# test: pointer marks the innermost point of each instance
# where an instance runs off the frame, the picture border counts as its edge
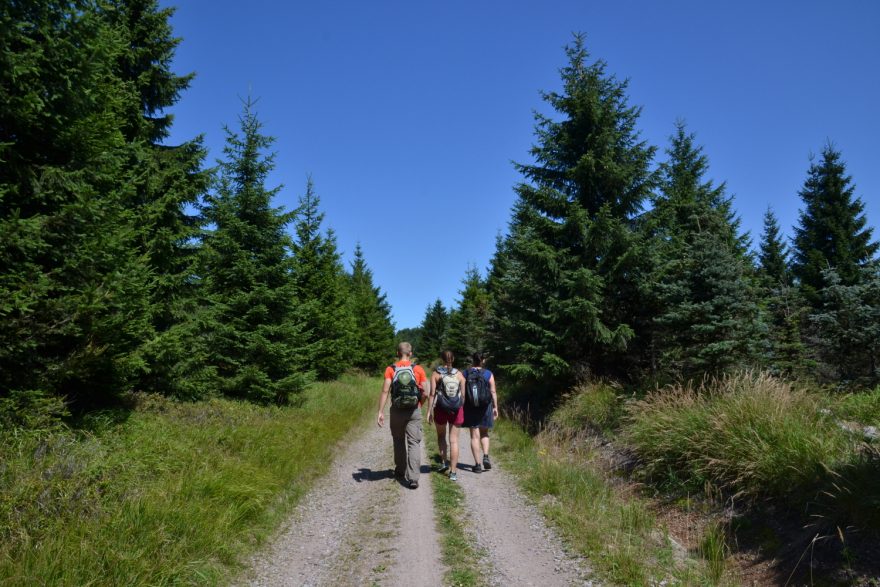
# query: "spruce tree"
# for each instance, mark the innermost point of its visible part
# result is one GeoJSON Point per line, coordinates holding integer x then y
{"type": "Point", "coordinates": [166, 184]}
{"type": "Point", "coordinates": [701, 288]}
{"type": "Point", "coordinates": [848, 326]}
{"type": "Point", "coordinates": [773, 252]}
{"type": "Point", "coordinates": [255, 336]}
{"type": "Point", "coordinates": [562, 286]}
{"type": "Point", "coordinates": [469, 322]}
{"type": "Point", "coordinates": [373, 337]}
{"type": "Point", "coordinates": [73, 291]}
{"type": "Point", "coordinates": [434, 329]}
{"type": "Point", "coordinates": [322, 288]}
{"type": "Point", "coordinates": [831, 231]}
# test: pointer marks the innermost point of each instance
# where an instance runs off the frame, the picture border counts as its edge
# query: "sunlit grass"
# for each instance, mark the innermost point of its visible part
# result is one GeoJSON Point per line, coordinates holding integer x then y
{"type": "Point", "coordinates": [177, 493]}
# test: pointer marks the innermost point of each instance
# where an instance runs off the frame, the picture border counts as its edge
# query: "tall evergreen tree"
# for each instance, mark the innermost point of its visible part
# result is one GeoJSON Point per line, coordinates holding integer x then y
{"type": "Point", "coordinates": [831, 231]}
{"type": "Point", "coordinates": [469, 323]}
{"type": "Point", "coordinates": [434, 329]}
{"type": "Point", "coordinates": [255, 337]}
{"type": "Point", "coordinates": [373, 330]}
{"type": "Point", "coordinates": [707, 317]}
{"type": "Point", "coordinates": [166, 183]}
{"type": "Point", "coordinates": [562, 287]}
{"type": "Point", "coordinates": [73, 292]}
{"type": "Point", "coordinates": [322, 288]}
{"type": "Point", "coordinates": [773, 253]}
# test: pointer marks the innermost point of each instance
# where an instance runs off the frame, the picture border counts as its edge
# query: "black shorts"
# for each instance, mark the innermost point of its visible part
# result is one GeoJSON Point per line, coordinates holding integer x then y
{"type": "Point", "coordinates": [478, 417]}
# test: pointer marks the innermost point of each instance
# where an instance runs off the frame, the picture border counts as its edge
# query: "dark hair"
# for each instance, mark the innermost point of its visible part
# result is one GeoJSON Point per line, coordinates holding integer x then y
{"type": "Point", "coordinates": [477, 359]}
{"type": "Point", "coordinates": [447, 357]}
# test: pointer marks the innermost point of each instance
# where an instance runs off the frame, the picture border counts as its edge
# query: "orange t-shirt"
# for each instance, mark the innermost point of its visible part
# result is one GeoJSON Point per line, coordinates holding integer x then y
{"type": "Point", "coordinates": [417, 371]}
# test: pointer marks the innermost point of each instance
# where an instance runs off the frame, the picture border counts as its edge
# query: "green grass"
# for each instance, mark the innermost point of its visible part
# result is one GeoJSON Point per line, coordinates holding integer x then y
{"type": "Point", "coordinates": [749, 434]}
{"type": "Point", "coordinates": [590, 405]}
{"type": "Point", "coordinates": [863, 407]}
{"type": "Point", "coordinates": [615, 531]}
{"type": "Point", "coordinates": [461, 559]}
{"type": "Point", "coordinates": [175, 493]}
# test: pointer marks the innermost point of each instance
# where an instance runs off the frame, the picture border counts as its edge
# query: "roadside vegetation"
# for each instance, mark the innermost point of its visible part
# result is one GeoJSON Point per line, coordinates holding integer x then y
{"type": "Point", "coordinates": [166, 492]}
{"type": "Point", "coordinates": [755, 462]}
{"type": "Point", "coordinates": [462, 561]}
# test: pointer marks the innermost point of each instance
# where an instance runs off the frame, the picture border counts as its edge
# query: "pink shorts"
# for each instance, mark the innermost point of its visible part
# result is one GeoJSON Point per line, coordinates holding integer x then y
{"type": "Point", "coordinates": [443, 417]}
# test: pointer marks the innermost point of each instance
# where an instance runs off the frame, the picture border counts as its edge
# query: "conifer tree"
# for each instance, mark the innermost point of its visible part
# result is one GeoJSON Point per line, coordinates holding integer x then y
{"type": "Point", "coordinates": [322, 288]}
{"type": "Point", "coordinates": [831, 231]}
{"type": "Point", "coordinates": [255, 334]}
{"type": "Point", "coordinates": [707, 317]}
{"type": "Point", "coordinates": [166, 183]}
{"type": "Point", "coordinates": [562, 286]}
{"type": "Point", "coordinates": [373, 330]}
{"type": "Point", "coordinates": [73, 292]}
{"type": "Point", "coordinates": [434, 329]}
{"type": "Point", "coordinates": [848, 325]}
{"type": "Point", "coordinates": [773, 253]}
{"type": "Point", "coordinates": [468, 330]}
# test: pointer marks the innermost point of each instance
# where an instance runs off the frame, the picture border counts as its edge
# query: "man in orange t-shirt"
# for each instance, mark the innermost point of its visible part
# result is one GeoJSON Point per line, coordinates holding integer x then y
{"type": "Point", "coordinates": [405, 422]}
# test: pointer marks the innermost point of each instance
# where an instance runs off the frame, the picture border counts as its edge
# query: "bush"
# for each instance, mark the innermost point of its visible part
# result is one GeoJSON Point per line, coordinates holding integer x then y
{"type": "Point", "coordinates": [749, 434]}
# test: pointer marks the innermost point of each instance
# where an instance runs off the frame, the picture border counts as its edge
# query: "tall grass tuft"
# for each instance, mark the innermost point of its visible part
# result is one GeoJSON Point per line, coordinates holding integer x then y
{"type": "Point", "coordinates": [177, 493]}
{"type": "Point", "coordinates": [714, 550]}
{"type": "Point", "coordinates": [748, 433]}
{"type": "Point", "coordinates": [594, 405]}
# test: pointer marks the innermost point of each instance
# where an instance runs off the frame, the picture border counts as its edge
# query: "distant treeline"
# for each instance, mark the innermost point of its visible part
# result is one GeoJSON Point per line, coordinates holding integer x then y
{"type": "Point", "coordinates": [126, 263]}
{"type": "Point", "coordinates": [616, 266]}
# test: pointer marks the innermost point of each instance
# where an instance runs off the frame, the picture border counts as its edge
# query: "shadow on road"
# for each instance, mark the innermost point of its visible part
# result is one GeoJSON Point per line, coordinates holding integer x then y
{"type": "Point", "coordinates": [366, 474]}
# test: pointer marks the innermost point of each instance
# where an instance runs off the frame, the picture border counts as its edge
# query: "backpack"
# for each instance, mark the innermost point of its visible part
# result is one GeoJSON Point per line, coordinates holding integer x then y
{"type": "Point", "coordinates": [404, 391]}
{"type": "Point", "coordinates": [449, 398]}
{"type": "Point", "coordinates": [478, 393]}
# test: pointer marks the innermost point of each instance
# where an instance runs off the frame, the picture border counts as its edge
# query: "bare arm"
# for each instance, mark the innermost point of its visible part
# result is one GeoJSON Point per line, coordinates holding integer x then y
{"type": "Point", "coordinates": [494, 396]}
{"type": "Point", "coordinates": [386, 386]}
{"type": "Point", "coordinates": [431, 384]}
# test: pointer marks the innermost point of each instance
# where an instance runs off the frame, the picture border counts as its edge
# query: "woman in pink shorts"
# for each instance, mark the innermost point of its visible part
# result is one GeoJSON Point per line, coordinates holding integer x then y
{"type": "Point", "coordinates": [446, 410]}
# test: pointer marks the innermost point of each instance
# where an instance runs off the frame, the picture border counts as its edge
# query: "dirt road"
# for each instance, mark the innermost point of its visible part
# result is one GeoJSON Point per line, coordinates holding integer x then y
{"type": "Point", "coordinates": [359, 526]}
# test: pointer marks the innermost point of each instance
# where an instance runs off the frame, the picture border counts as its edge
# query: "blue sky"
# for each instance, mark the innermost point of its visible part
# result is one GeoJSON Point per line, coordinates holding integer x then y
{"type": "Point", "coordinates": [409, 114]}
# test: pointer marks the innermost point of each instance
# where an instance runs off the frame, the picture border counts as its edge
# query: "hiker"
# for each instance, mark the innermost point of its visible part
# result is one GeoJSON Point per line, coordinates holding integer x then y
{"type": "Point", "coordinates": [407, 385]}
{"type": "Point", "coordinates": [480, 410]}
{"type": "Point", "coordinates": [446, 411]}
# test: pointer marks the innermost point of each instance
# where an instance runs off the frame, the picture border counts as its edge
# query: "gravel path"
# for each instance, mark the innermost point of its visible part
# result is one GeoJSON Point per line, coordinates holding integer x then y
{"type": "Point", "coordinates": [521, 548]}
{"type": "Point", "coordinates": [357, 526]}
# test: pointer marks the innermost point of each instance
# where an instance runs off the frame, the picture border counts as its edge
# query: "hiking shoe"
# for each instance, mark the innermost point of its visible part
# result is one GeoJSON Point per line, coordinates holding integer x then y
{"type": "Point", "coordinates": [453, 476]}
{"type": "Point", "coordinates": [413, 484]}
{"type": "Point", "coordinates": [477, 468]}
{"type": "Point", "coordinates": [487, 464]}
{"type": "Point", "coordinates": [444, 466]}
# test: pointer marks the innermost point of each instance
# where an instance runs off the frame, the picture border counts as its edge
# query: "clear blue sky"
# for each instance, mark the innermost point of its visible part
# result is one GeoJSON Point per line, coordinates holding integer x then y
{"type": "Point", "coordinates": [408, 114]}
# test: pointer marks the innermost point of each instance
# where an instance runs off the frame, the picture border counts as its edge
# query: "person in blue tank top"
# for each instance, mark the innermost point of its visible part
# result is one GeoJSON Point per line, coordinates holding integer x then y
{"type": "Point", "coordinates": [480, 419]}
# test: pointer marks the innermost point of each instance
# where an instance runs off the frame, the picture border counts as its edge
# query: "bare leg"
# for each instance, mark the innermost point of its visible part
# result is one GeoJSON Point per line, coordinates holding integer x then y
{"type": "Point", "coordinates": [475, 445]}
{"type": "Point", "coordinates": [484, 440]}
{"type": "Point", "coordinates": [453, 447]}
{"type": "Point", "coordinates": [441, 442]}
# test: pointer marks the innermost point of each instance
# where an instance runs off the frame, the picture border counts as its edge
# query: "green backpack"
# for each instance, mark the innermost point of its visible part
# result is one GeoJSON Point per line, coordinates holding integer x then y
{"type": "Point", "coordinates": [404, 391]}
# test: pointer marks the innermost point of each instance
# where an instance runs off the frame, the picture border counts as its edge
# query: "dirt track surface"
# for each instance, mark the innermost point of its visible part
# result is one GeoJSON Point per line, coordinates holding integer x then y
{"type": "Point", "coordinates": [521, 549]}
{"type": "Point", "coordinates": [359, 526]}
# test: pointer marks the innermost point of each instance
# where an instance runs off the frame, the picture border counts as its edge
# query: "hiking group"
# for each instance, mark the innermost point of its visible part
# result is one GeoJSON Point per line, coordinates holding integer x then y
{"type": "Point", "coordinates": [455, 400]}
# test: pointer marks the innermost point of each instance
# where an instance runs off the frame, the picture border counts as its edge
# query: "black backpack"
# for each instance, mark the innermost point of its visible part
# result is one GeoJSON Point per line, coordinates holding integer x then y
{"type": "Point", "coordinates": [477, 389]}
{"type": "Point", "coordinates": [449, 398]}
{"type": "Point", "coordinates": [404, 391]}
